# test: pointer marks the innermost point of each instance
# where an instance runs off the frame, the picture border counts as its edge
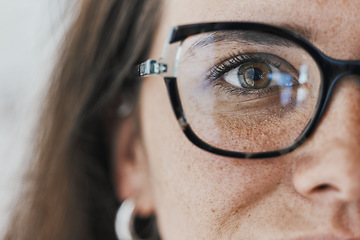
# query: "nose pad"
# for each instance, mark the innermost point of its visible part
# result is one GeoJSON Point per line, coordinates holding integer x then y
{"type": "Point", "coordinates": [329, 166]}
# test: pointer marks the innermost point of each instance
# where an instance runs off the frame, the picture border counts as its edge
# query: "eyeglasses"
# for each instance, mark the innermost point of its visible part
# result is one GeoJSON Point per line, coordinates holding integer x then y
{"type": "Point", "coordinates": [246, 90]}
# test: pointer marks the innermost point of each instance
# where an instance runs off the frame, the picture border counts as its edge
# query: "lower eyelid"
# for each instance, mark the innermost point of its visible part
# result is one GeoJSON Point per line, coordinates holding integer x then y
{"type": "Point", "coordinates": [229, 88]}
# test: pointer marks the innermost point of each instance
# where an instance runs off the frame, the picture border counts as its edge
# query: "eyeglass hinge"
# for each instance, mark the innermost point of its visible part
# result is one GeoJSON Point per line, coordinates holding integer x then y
{"type": "Point", "coordinates": [151, 67]}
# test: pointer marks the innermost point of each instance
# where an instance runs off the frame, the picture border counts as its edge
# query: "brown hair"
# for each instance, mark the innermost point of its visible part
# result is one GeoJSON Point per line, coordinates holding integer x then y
{"type": "Point", "coordinates": [70, 192]}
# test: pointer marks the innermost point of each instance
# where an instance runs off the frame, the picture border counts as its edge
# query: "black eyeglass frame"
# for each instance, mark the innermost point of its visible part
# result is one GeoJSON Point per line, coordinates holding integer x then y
{"type": "Point", "coordinates": [331, 71]}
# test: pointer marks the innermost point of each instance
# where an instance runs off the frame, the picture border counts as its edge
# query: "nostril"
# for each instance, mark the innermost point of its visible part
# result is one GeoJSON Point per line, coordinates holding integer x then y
{"type": "Point", "coordinates": [322, 187]}
{"type": "Point", "coordinates": [325, 188]}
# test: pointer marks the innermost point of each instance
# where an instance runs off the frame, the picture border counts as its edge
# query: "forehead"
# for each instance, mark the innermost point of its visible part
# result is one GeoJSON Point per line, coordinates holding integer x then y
{"type": "Point", "coordinates": [333, 24]}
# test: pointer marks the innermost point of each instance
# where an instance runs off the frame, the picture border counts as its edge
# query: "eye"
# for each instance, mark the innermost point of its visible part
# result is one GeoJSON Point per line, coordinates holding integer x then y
{"type": "Point", "coordinates": [258, 76]}
{"type": "Point", "coordinates": [250, 75]}
{"type": "Point", "coordinates": [254, 71]}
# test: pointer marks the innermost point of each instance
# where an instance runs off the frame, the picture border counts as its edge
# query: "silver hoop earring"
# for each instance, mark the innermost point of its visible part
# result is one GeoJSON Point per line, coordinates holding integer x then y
{"type": "Point", "coordinates": [123, 222]}
{"type": "Point", "coordinates": [128, 226]}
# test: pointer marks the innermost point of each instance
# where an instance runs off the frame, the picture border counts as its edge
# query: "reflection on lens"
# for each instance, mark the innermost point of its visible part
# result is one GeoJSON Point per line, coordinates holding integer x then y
{"type": "Point", "coordinates": [303, 77]}
{"type": "Point", "coordinates": [285, 96]}
{"type": "Point", "coordinates": [301, 95]}
{"type": "Point", "coordinates": [281, 79]}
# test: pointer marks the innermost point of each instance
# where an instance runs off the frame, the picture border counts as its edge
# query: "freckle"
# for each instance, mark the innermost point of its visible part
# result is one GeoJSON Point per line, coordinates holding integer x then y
{"type": "Point", "coordinates": [189, 167]}
{"type": "Point", "coordinates": [213, 210]}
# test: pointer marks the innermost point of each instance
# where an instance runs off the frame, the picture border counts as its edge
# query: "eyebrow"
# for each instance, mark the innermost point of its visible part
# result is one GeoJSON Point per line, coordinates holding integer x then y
{"type": "Point", "coordinates": [254, 37]}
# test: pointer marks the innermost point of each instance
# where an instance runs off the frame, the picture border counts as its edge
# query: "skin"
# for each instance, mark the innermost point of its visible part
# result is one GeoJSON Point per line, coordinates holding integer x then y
{"type": "Point", "coordinates": [199, 195]}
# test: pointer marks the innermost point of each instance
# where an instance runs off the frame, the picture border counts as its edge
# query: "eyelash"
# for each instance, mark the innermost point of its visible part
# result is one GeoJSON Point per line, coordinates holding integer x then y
{"type": "Point", "coordinates": [234, 61]}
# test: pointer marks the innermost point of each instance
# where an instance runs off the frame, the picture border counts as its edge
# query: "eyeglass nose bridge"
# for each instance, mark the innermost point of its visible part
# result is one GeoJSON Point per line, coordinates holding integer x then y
{"type": "Point", "coordinates": [333, 72]}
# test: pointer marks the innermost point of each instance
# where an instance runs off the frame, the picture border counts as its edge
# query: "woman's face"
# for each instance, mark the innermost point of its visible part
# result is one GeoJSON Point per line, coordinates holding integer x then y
{"type": "Point", "coordinates": [311, 193]}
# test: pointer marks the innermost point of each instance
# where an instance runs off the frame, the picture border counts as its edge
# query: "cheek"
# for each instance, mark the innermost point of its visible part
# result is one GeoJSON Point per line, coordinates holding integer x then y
{"type": "Point", "coordinates": [196, 191]}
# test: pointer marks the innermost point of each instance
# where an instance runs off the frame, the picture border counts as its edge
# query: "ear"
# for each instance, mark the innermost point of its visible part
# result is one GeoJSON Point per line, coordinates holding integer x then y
{"type": "Point", "coordinates": [131, 171]}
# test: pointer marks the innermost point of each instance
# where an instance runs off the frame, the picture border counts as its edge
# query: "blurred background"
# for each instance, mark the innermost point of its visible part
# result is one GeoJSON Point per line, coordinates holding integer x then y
{"type": "Point", "coordinates": [30, 34]}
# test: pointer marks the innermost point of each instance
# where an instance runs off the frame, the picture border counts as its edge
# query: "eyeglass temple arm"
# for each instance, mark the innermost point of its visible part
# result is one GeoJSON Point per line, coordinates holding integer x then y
{"type": "Point", "coordinates": [151, 67]}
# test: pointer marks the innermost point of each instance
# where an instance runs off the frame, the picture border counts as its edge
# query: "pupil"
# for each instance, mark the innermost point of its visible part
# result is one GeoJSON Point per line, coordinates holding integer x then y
{"type": "Point", "coordinates": [255, 74]}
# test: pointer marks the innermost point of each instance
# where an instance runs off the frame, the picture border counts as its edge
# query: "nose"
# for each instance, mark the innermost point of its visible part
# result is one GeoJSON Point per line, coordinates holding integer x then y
{"type": "Point", "coordinates": [328, 169]}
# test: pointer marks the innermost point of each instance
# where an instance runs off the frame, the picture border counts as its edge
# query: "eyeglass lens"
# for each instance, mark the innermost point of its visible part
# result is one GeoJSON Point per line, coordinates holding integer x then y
{"type": "Point", "coordinates": [247, 91]}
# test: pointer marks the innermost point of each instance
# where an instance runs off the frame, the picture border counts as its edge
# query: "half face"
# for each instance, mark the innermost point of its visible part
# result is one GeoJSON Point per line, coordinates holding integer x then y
{"type": "Point", "coordinates": [311, 193]}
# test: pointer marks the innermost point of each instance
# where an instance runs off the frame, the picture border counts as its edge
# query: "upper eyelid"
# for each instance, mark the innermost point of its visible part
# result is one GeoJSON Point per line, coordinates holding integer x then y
{"type": "Point", "coordinates": [214, 72]}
